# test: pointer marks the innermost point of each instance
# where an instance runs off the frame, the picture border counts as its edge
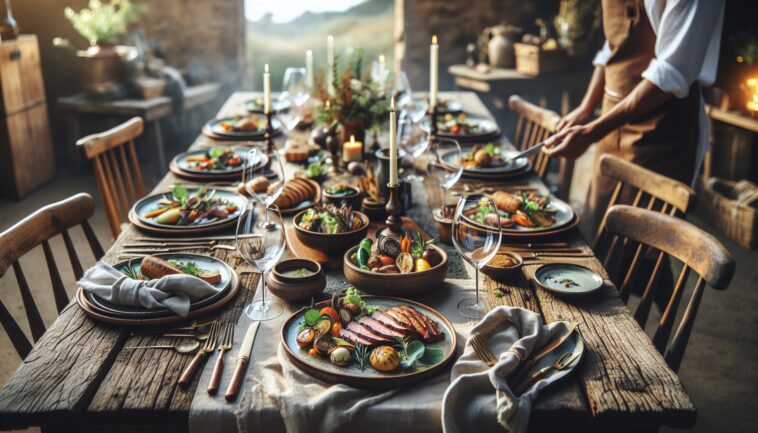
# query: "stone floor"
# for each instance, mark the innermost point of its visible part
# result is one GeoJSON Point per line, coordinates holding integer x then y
{"type": "Point", "coordinates": [719, 369]}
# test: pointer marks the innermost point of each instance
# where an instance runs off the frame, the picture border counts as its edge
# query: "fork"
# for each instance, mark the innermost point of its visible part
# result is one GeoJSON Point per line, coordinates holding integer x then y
{"type": "Point", "coordinates": [208, 347]}
{"type": "Point", "coordinates": [219, 367]}
{"type": "Point", "coordinates": [564, 361]}
{"type": "Point", "coordinates": [482, 351]}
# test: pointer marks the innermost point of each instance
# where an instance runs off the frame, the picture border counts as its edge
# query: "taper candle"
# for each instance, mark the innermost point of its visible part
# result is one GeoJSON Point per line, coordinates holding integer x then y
{"type": "Point", "coordinates": [393, 144]}
{"type": "Point", "coordinates": [330, 64]}
{"type": "Point", "coordinates": [266, 90]}
{"type": "Point", "coordinates": [309, 69]}
{"type": "Point", "coordinates": [434, 53]}
{"type": "Point", "coordinates": [382, 72]}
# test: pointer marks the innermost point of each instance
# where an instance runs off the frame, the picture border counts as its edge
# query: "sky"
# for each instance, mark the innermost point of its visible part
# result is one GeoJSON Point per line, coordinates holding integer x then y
{"type": "Point", "coordinates": [286, 10]}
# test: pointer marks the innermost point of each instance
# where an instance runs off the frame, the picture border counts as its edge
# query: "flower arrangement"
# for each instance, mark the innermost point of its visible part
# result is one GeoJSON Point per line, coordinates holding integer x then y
{"type": "Point", "coordinates": [104, 21]}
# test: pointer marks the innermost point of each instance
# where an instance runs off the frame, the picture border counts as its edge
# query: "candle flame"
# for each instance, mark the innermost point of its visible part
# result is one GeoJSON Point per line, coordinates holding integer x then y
{"type": "Point", "coordinates": [309, 53]}
{"type": "Point", "coordinates": [434, 39]}
{"type": "Point", "coordinates": [381, 58]}
{"type": "Point", "coordinates": [265, 68]}
{"type": "Point", "coordinates": [330, 38]}
{"type": "Point", "coordinates": [352, 139]}
{"type": "Point", "coordinates": [752, 82]}
{"type": "Point", "coordinates": [392, 104]}
{"type": "Point", "coordinates": [327, 104]}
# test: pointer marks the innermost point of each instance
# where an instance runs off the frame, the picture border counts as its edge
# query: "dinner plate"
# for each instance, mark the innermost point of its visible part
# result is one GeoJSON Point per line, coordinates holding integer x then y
{"type": "Point", "coordinates": [149, 203]}
{"type": "Point", "coordinates": [322, 368]}
{"type": "Point", "coordinates": [568, 279]}
{"type": "Point", "coordinates": [206, 263]}
{"type": "Point", "coordinates": [183, 165]}
{"type": "Point", "coordinates": [277, 105]}
{"type": "Point", "coordinates": [564, 216]}
{"type": "Point", "coordinates": [510, 167]}
{"type": "Point", "coordinates": [487, 130]}
{"type": "Point", "coordinates": [215, 127]}
{"type": "Point", "coordinates": [444, 106]}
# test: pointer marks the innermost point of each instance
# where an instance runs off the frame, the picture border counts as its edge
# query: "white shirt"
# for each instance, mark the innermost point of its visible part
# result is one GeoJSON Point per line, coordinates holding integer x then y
{"type": "Point", "coordinates": [688, 35]}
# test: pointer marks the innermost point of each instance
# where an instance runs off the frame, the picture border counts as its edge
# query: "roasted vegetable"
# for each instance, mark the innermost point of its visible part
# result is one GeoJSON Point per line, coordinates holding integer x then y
{"type": "Point", "coordinates": [384, 358]}
{"type": "Point", "coordinates": [346, 316]}
{"type": "Point", "coordinates": [362, 258]}
{"type": "Point", "coordinates": [432, 257]}
{"type": "Point", "coordinates": [331, 312]}
{"type": "Point", "coordinates": [340, 357]}
{"type": "Point", "coordinates": [305, 337]}
{"type": "Point", "coordinates": [325, 344]}
{"type": "Point", "coordinates": [323, 327]}
{"type": "Point", "coordinates": [388, 246]}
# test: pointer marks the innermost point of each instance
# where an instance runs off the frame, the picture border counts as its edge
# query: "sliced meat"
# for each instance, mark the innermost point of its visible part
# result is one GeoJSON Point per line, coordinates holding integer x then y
{"type": "Point", "coordinates": [381, 328]}
{"type": "Point", "coordinates": [366, 333]}
{"type": "Point", "coordinates": [354, 338]}
{"type": "Point", "coordinates": [392, 323]}
{"type": "Point", "coordinates": [426, 321]}
{"type": "Point", "coordinates": [410, 318]}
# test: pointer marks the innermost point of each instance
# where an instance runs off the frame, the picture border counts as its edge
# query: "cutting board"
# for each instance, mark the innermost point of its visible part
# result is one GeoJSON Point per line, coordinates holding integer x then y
{"type": "Point", "coordinates": [335, 262]}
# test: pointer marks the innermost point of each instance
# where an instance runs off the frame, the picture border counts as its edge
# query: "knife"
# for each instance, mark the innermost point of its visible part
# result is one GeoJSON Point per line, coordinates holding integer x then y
{"type": "Point", "coordinates": [524, 153]}
{"type": "Point", "coordinates": [534, 359]}
{"type": "Point", "coordinates": [244, 356]}
{"type": "Point", "coordinates": [208, 238]}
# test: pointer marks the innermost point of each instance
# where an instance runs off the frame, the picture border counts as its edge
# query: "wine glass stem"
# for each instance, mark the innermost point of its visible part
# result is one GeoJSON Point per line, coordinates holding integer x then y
{"type": "Point", "coordinates": [477, 286]}
{"type": "Point", "coordinates": [263, 288]}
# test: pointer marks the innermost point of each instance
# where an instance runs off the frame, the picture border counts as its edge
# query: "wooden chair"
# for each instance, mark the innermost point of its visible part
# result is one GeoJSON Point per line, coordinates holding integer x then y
{"type": "Point", "coordinates": [536, 124]}
{"type": "Point", "coordinates": [116, 168]}
{"type": "Point", "coordinates": [640, 187]}
{"type": "Point", "coordinates": [37, 229]}
{"type": "Point", "coordinates": [698, 251]}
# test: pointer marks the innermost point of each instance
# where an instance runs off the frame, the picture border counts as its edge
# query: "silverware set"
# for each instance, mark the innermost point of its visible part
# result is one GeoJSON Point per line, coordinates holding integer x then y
{"type": "Point", "coordinates": [210, 345]}
{"type": "Point", "coordinates": [218, 369]}
{"type": "Point", "coordinates": [533, 253]}
{"type": "Point", "coordinates": [141, 247]}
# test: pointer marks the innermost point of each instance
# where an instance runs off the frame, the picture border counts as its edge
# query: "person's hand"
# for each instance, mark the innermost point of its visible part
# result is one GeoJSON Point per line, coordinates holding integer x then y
{"type": "Point", "coordinates": [578, 116]}
{"type": "Point", "coordinates": [570, 142]}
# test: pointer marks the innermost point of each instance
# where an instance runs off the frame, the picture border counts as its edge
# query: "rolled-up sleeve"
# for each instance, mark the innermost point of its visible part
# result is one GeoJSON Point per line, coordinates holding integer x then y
{"type": "Point", "coordinates": [602, 56]}
{"type": "Point", "coordinates": [688, 30]}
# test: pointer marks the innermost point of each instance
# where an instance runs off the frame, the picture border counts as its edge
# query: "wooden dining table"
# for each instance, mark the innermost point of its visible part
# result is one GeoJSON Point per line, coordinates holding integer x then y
{"type": "Point", "coordinates": [79, 378]}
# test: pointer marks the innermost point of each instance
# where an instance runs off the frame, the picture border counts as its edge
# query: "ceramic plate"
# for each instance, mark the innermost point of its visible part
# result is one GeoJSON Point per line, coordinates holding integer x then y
{"type": "Point", "coordinates": [277, 105]}
{"type": "Point", "coordinates": [182, 163]}
{"type": "Point", "coordinates": [568, 279]}
{"type": "Point", "coordinates": [322, 368]}
{"type": "Point", "coordinates": [510, 167]}
{"type": "Point", "coordinates": [443, 106]}
{"type": "Point", "coordinates": [215, 126]}
{"type": "Point", "coordinates": [205, 263]}
{"type": "Point", "coordinates": [485, 130]}
{"type": "Point", "coordinates": [150, 203]}
{"type": "Point", "coordinates": [563, 213]}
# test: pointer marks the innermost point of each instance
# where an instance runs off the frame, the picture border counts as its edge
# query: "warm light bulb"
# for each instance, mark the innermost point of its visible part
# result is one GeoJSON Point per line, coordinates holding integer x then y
{"type": "Point", "coordinates": [434, 39]}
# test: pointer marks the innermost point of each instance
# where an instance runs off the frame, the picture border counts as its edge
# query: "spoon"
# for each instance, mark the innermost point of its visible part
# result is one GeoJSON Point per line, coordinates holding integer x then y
{"type": "Point", "coordinates": [183, 347]}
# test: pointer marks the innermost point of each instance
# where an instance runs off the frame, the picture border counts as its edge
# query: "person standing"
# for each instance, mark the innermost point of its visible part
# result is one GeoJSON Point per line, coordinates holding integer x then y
{"type": "Point", "coordinates": [647, 79]}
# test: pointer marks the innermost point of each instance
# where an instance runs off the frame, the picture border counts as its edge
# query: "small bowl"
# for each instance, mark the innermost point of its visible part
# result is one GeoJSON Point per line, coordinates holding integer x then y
{"type": "Point", "coordinates": [395, 284]}
{"type": "Point", "coordinates": [296, 288]}
{"type": "Point", "coordinates": [444, 227]}
{"type": "Point", "coordinates": [374, 210]}
{"type": "Point", "coordinates": [353, 200]}
{"type": "Point", "coordinates": [498, 273]}
{"type": "Point", "coordinates": [331, 243]}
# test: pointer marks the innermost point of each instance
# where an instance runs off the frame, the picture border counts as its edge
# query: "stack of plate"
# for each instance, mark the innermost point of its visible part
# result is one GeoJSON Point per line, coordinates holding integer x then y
{"type": "Point", "coordinates": [106, 311]}
{"type": "Point", "coordinates": [150, 203]}
{"type": "Point", "coordinates": [214, 130]}
{"type": "Point", "coordinates": [186, 170]}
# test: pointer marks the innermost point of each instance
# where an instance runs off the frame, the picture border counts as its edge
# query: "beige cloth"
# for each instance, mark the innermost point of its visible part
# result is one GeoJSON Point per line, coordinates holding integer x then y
{"type": "Point", "coordinates": [279, 397]}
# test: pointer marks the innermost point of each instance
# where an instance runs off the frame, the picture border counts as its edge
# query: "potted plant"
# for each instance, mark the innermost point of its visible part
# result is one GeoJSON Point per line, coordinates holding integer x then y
{"type": "Point", "coordinates": [101, 23]}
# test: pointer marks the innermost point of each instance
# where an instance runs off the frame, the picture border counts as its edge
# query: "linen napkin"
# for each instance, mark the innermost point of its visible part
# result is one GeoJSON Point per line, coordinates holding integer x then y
{"type": "Point", "coordinates": [479, 398]}
{"type": "Point", "coordinates": [174, 292]}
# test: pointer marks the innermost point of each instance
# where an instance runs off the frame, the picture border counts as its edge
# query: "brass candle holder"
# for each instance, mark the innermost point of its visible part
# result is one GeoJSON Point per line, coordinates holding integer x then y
{"type": "Point", "coordinates": [393, 208]}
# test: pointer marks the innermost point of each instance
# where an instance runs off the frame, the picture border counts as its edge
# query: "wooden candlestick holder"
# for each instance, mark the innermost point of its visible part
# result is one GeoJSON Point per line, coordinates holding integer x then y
{"type": "Point", "coordinates": [269, 134]}
{"type": "Point", "coordinates": [433, 113]}
{"type": "Point", "coordinates": [393, 208]}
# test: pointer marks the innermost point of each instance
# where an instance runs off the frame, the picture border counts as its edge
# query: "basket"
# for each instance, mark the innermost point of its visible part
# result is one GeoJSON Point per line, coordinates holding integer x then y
{"type": "Point", "coordinates": [732, 209]}
{"type": "Point", "coordinates": [533, 60]}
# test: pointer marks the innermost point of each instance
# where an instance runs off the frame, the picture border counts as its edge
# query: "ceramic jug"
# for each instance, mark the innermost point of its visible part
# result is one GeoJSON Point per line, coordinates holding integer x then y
{"type": "Point", "coordinates": [499, 44]}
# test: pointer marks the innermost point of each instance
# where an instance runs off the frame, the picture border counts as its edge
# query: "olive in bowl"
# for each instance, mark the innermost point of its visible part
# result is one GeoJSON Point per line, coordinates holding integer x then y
{"type": "Point", "coordinates": [296, 279]}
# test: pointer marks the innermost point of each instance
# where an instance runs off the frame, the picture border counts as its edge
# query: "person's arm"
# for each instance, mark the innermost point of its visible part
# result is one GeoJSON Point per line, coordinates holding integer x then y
{"type": "Point", "coordinates": [581, 114]}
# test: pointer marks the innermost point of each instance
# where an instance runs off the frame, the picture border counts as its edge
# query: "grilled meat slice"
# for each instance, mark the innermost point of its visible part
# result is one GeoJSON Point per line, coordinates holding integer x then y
{"type": "Point", "coordinates": [404, 316]}
{"type": "Point", "coordinates": [381, 328]}
{"type": "Point", "coordinates": [366, 333]}
{"type": "Point", "coordinates": [354, 338]}
{"type": "Point", "coordinates": [392, 323]}
{"type": "Point", "coordinates": [428, 323]}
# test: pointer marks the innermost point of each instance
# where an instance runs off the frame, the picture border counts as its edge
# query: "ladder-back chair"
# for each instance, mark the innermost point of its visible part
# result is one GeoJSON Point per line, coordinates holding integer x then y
{"type": "Point", "coordinates": [535, 124]}
{"type": "Point", "coordinates": [116, 168]}
{"type": "Point", "coordinates": [696, 249]}
{"type": "Point", "coordinates": [34, 230]}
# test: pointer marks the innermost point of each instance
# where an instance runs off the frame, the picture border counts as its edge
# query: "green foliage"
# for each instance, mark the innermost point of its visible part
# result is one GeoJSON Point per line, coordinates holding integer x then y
{"type": "Point", "coordinates": [104, 21]}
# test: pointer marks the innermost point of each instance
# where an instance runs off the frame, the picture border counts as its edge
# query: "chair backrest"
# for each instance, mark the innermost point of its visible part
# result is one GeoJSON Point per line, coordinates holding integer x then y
{"type": "Point", "coordinates": [34, 230]}
{"type": "Point", "coordinates": [535, 124]}
{"type": "Point", "coordinates": [696, 249]}
{"type": "Point", "coordinates": [639, 187]}
{"type": "Point", "coordinates": [116, 168]}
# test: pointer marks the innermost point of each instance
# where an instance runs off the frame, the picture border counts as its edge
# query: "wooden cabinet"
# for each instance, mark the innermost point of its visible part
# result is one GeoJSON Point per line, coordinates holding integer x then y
{"type": "Point", "coordinates": [26, 149]}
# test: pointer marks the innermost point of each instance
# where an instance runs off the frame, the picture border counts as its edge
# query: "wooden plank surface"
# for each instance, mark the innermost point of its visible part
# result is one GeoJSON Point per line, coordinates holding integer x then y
{"type": "Point", "coordinates": [78, 369]}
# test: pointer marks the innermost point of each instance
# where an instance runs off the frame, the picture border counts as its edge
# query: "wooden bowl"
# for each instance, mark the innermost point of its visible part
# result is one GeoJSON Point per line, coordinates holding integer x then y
{"type": "Point", "coordinates": [374, 210]}
{"type": "Point", "coordinates": [395, 284]}
{"type": "Point", "coordinates": [444, 227]}
{"type": "Point", "coordinates": [296, 288]}
{"type": "Point", "coordinates": [353, 200]}
{"type": "Point", "coordinates": [500, 273]}
{"type": "Point", "coordinates": [331, 243]}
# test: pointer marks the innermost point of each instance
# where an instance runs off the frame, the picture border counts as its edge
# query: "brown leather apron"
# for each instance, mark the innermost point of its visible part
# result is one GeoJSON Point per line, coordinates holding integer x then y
{"type": "Point", "coordinates": [664, 140]}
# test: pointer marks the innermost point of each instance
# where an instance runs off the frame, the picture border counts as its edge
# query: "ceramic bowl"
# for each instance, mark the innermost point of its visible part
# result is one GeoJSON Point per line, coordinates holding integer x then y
{"type": "Point", "coordinates": [395, 284]}
{"type": "Point", "coordinates": [331, 243]}
{"type": "Point", "coordinates": [291, 287]}
{"type": "Point", "coordinates": [444, 226]}
{"type": "Point", "coordinates": [353, 199]}
{"type": "Point", "coordinates": [374, 210]}
{"type": "Point", "coordinates": [499, 273]}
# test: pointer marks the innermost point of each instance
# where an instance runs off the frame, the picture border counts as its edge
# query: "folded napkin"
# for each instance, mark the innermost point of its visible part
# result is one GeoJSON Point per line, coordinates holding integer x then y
{"type": "Point", "coordinates": [174, 292]}
{"type": "Point", "coordinates": [479, 398]}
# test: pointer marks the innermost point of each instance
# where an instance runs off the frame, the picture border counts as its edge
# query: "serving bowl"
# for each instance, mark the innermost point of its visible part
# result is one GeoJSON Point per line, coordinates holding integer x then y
{"type": "Point", "coordinates": [284, 281]}
{"type": "Point", "coordinates": [500, 272]}
{"type": "Point", "coordinates": [395, 284]}
{"type": "Point", "coordinates": [331, 243]}
{"type": "Point", "coordinates": [374, 209]}
{"type": "Point", "coordinates": [353, 199]}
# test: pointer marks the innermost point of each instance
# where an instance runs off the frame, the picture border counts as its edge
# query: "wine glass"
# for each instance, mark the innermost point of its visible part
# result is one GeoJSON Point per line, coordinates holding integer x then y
{"type": "Point", "coordinates": [402, 90]}
{"type": "Point", "coordinates": [476, 241]}
{"type": "Point", "coordinates": [443, 161]}
{"type": "Point", "coordinates": [261, 245]}
{"type": "Point", "coordinates": [413, 146]}
{"type": "Point", "coordinates": [295, 91]}
{"type": "Point", "coordinates": [263, 176]}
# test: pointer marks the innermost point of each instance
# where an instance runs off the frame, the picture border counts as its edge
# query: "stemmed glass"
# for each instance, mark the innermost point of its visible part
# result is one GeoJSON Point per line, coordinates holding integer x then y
{"type": "Point", "coordinates": [261, 245]}
{"type": "Point", "coordinates": [477, 242]}
{"type": "Point", "coordinates": [444, 164]}
{"type": "Point", "coordinates": [413, 145]}
{"type": "Point", "coordinates": [263, 177]}
{"type": "Point", "coordinates": [294, 90]}
{"type": "Point", "coordinates": [402, 90]}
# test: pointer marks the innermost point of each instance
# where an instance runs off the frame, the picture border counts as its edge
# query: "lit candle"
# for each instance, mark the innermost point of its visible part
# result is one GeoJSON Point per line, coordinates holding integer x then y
{"type": "Point", "coordinates": [352, 150]}
{"type": "Point", "coordinates": [330, 64]}
{"type": "Point", "coordinates": [266, 90]}
{"type": "Point", "coordinates": [309, 69]}
{"type": "Point", "coordinates": [382, 71]}
{"type": "Point", "coordinates": [434, 52]}
{"type": "Point", "coordinates": [393, 144]}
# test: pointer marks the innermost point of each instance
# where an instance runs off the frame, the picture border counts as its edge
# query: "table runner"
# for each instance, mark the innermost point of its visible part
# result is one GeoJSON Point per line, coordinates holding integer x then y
{"type": "Point", "coordinates": [271, 374]}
